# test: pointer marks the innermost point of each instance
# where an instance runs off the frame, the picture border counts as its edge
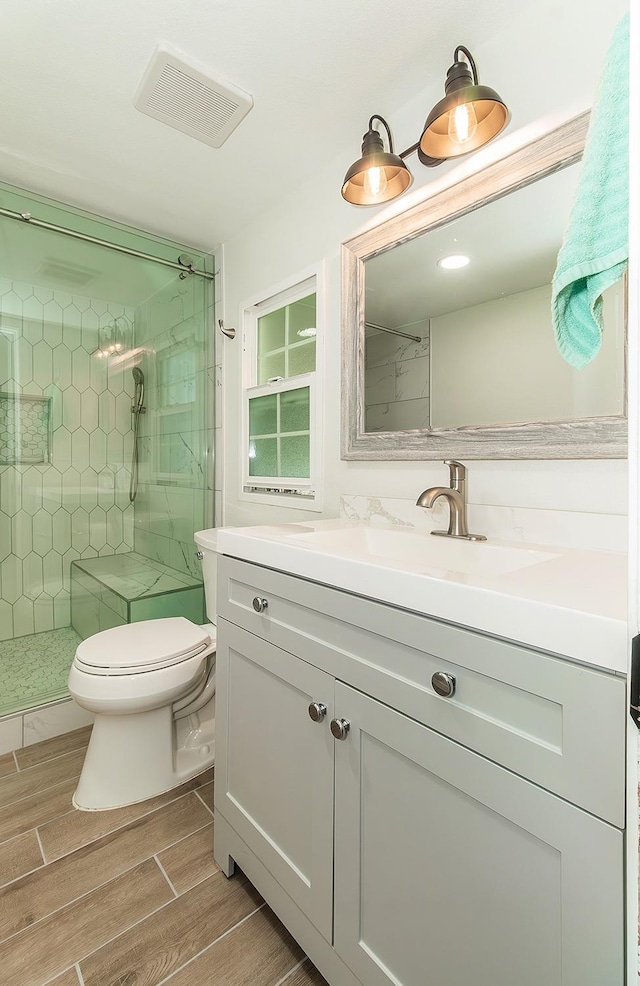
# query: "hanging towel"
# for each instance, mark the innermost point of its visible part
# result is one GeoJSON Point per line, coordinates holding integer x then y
{"type": "Point", "coordinates": [595, 249]}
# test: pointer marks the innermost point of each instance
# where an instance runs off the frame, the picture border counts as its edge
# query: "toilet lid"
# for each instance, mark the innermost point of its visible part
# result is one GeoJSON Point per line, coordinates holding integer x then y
{"type": "Point", "coordinates": [146, 646]}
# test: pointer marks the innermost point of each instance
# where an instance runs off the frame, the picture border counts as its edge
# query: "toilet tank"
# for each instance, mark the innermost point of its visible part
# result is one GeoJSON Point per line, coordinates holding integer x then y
{"type": "Point", "coordinates": [207, 544]}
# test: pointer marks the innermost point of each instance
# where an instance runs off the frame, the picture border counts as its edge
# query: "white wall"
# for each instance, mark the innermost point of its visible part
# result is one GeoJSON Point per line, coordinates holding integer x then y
{"type": "Point", "coordinates": [545, 63]}
{"type": "Point", "coordinates": [497, 363]}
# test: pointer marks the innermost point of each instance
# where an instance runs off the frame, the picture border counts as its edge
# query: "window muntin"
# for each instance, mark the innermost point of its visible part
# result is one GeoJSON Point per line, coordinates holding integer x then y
{"type": "Point", "coordinates": [286, 345]}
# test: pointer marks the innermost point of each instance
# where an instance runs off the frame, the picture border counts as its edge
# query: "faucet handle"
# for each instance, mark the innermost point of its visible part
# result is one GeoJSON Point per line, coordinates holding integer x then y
{"type": "Point", "coordinates": [457, 473]}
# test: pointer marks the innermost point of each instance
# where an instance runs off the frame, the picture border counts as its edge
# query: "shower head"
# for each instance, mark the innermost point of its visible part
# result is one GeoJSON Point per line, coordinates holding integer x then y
{"type": "Point", "coordinates": [138, 375]}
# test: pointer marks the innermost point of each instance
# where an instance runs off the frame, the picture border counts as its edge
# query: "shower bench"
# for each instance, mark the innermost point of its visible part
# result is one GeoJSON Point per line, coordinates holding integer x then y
{"type": "Point", "coordinates": [116, 589]}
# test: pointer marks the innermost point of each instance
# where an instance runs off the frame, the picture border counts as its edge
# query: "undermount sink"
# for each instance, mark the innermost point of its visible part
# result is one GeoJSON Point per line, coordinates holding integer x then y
{"type": "Point", "coordinates": [416, 549]}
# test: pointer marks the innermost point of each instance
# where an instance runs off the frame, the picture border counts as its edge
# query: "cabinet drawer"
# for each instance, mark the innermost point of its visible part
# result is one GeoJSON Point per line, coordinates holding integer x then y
{"type": "Point", "coordinates": [559, 724]}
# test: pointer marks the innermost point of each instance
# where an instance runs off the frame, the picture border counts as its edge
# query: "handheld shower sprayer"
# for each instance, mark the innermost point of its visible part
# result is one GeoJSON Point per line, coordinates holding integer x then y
{"type": "Point", "coordinates": [137, 408]}
{"type": "Point", "coordinates": [138, 394]}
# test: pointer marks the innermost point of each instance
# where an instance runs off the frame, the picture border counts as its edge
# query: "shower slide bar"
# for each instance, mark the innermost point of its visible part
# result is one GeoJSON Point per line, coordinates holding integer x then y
{"type": "Point", "coordinates": [183, 263]}
{"type": "Point", "coordinates": [395, 332]}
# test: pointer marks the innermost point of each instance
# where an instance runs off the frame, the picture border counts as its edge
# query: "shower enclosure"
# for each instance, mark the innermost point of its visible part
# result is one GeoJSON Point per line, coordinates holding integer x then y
{"type": "Point", "coordinates": [106, 435]}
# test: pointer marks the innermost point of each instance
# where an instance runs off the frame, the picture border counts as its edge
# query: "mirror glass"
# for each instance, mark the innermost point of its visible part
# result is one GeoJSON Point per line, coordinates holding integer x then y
{"type": "Point", "coordinates": [477, 345]}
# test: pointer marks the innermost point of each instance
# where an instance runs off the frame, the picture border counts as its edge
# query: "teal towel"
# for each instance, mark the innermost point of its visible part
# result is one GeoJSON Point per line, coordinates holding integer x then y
{"type": "Point", "coordinates": [595, 249]}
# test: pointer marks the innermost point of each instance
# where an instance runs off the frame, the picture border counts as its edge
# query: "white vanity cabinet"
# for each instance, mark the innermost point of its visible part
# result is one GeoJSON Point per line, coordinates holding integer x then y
{"type": "Point", "coordinates": [438, 840]}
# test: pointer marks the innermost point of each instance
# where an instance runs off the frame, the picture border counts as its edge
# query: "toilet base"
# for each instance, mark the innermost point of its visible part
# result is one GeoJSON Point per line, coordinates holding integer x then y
{"type": "Point", "coordinates": [137, 756]}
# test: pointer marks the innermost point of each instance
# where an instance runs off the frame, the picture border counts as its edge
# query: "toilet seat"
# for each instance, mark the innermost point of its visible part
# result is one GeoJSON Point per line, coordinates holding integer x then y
{"type": "Point", "coordinates": [136, 648]}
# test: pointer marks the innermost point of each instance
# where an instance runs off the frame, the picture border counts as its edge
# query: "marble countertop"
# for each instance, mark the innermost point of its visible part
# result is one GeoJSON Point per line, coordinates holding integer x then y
{"type": "Point", "coordinates": [569, 602]}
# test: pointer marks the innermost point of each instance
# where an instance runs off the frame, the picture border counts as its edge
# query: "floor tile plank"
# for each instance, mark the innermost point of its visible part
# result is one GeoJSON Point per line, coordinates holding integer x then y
{"type": "Point", "coordinates": [306, 975]}
{"type": "Point", "coordinates": [19, 856]}
{"type": "Point", "coordinates": [78, 828]}
{"type": "Point", "coordinates": [154, 949]}
{"type": "Point", "coordinates": [206, 793]}
{"type": "Point", "coordinates": [257, 953]}
{"type": "Point", "coordinates": [35, 780]}
{"type": "Point", "coordinates": [7, 764]}
{"type": "Point", "coordinates": [190, 861]}
{"type": "Point", "coordinates": [30, 899]}
{"type": "Point", "coordinates": [68, 978]}
{"type": "Point", "coordinates": [41, 952]}
{"type": "Point", "coordinates": [30, 812]}
{"type": "Point", "coordinates": [48, 749]}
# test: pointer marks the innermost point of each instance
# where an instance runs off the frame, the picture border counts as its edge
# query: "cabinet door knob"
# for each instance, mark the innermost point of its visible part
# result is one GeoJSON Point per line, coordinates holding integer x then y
{"type": "Point", "coordinates": [340, 728]}
{"type": "Point", "coordinates": [199, 555]}
{"type": "Point", "coordinates": [443, 684]}
{"type": "Point", "coordinates": [259, 604]}
{"type": "Point", "coordinates": [317, 711]}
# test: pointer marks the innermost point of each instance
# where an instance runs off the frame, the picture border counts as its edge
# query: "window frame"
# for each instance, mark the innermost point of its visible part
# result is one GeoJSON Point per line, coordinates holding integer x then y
{"type": "Point", "coordinates": [295, 492]}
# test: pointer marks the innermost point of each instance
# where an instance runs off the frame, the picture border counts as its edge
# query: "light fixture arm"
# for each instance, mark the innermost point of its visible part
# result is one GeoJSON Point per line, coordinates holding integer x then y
{"type": "Point", "coordinates": [469, 57]}
{"type": "Point", "coordinates": [386, 127]}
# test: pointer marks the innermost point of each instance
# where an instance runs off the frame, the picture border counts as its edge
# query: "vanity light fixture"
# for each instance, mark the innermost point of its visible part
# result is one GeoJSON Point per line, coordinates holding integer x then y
{"type": "Point", "coordinates": [456, 261]}
{"type": "Point", "coordinates": [378, 175]}
{"type": "Point", "coordinates": [469, 116]}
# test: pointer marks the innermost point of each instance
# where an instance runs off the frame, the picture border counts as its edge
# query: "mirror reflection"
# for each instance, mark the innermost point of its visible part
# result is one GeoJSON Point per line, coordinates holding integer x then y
{"type": "Point", "coordinates": [451, 343]}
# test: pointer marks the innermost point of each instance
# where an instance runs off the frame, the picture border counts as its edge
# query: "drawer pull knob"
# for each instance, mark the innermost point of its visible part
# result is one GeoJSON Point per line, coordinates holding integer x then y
{"type": "Point", "coordinates": [340, 728]}
{"type": "Point", "coordinates": [200, 555]}
{"type": "Point", "coordinates": [260, 605]}
{"type": "Point", "coordinates": [317, 711]}
{"type": "Point", "coordinates": [443, 684]}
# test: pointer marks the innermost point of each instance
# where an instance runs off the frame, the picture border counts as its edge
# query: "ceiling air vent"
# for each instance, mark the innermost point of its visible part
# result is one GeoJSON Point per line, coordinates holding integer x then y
{"type": "Point", "coordinates": [71, 275]}
{"type": "Point", "coordinates": [187, 99]}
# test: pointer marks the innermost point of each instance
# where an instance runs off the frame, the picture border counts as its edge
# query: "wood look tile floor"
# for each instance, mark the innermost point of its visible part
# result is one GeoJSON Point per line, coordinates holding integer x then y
{"type": "Point", "coordinates": [130, 897]}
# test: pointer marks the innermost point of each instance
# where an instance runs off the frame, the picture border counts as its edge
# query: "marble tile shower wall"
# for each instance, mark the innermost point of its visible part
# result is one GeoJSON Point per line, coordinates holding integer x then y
{"type": "Point", "coordinates": [77, 504]}
{"type": "Point", "coordinates": [397, 380]}
{"type": "Point", "coordinates": [175, 492]}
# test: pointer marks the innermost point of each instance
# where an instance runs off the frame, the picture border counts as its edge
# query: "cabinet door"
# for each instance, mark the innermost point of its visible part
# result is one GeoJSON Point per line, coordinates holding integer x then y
{"type": "Point", "coordinates": [274, 782]}
{"type": "Point", "coordinates": [451, 870]}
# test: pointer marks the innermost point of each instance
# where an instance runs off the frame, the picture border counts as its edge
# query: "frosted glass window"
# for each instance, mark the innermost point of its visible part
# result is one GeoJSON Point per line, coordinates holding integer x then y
{"type": "Point", "coordinates": [279, 434]}
{"type": "Point", "coordinates": [263, 415]}
{"type": "Point", "coordinates": [263, 457]}
{"type": "Point", "coordinates": [272, 331]}
{"type": "Point", "coordinates": [286, 340]}
{"type": "Point", "coordinates": [294, 410]}
{"type": "Point", "coordinates": [302, 359]}
{"type": "Point", "coordinates": [294, 456]}
{"type": "Point", "coordinates": [271, 366]}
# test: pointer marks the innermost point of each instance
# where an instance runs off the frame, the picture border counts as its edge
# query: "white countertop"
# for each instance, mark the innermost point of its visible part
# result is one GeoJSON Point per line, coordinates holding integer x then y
{"type": "Point", "coordinates": [566, 601]}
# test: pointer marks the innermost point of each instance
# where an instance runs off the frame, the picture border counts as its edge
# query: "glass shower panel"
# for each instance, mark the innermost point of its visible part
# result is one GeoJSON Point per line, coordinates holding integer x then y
{"type": "Point", "coordinates": [75, 319]}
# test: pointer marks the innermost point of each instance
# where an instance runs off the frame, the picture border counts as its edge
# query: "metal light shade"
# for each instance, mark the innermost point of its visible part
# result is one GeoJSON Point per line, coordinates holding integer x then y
{"type": "Point", "coordinates": [393, 173]}
{"type": "Point", "coordinates": [490, 113]}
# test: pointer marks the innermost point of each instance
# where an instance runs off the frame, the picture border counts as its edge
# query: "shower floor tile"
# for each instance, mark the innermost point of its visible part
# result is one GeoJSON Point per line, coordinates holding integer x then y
{"type": "Point", "coordinates": [34, 669]}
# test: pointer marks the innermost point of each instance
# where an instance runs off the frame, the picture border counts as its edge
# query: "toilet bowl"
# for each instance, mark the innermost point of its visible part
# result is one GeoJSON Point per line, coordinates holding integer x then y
{"type": "Point", "coordinates": [151, 687]}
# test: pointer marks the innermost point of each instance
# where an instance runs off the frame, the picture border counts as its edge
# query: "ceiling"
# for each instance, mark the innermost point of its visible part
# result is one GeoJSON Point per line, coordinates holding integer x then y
{"type": "Point", "coordinates": [69, 70]}
{"type": "Point", "coordinates": [512, 245]}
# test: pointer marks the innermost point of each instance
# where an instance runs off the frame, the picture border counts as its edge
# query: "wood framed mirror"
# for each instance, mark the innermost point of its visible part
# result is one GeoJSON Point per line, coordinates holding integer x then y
{"type": "Point", "coordinates": [441, 363]}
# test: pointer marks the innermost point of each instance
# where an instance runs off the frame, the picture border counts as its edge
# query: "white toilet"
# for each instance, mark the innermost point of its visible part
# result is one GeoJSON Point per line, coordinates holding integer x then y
{"type": "Point", "coordinates": [151, 686]}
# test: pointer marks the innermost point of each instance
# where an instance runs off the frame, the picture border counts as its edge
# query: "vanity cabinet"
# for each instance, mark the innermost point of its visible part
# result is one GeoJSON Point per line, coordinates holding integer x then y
{"type": "Point", "coordinates": [394, 851]}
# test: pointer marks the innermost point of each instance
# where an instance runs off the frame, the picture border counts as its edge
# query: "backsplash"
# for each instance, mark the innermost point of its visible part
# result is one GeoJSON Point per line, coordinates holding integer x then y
{"type": "Point", "coordinates": [561, 528]}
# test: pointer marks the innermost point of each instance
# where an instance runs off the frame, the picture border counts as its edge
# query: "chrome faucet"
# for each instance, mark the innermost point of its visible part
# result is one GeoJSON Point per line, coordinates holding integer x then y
{"type": "Point", "coordinates": [456, 494]}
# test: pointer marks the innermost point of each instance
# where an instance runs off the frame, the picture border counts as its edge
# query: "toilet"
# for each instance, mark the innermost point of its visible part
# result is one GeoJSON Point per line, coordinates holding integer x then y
{"type": "Point", "coordinates": [151, 687]}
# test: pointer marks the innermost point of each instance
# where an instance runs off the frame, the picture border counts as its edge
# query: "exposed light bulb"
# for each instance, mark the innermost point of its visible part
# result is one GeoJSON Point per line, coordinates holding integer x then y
{"type": "Point", "coordinates": [375, 181]}
{"type": "Point", "coordinates": [463, 123]}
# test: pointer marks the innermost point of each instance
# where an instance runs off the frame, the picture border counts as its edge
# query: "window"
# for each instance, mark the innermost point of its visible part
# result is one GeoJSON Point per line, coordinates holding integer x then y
{"type": "Point", "coordinates": [280, 397]}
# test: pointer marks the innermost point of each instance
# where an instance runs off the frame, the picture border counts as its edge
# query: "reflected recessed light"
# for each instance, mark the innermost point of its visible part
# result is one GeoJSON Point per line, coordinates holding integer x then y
{"type": "Point", "coordinates": [454, 262]}
{"type": "Point", "coordinates": [307, 333]}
